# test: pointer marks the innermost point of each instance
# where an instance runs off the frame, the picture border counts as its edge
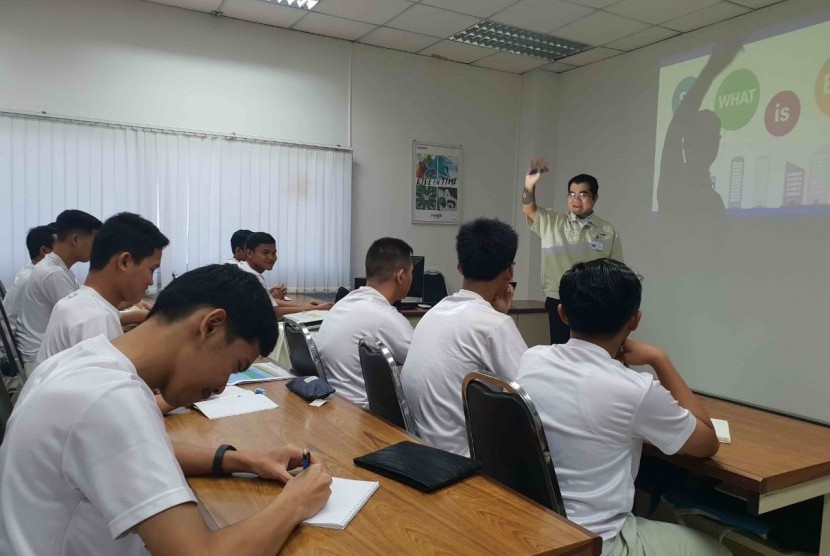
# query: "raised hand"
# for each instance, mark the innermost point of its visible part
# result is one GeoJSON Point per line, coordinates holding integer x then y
{"type": "Point", "coordinates": [538, 166]}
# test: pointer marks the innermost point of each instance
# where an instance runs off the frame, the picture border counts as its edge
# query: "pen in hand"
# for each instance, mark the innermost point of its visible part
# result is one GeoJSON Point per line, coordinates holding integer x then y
{"type": "Point", "coordinates": [306, 458]}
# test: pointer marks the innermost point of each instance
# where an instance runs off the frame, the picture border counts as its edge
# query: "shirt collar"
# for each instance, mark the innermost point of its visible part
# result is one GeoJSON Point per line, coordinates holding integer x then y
{"type": "Point", "coordinates": [469, 293]}
{"type": "Point", "coordinates": [581, 221]}
{"type": "Point", "coordinates": [57, 259]}
{"type": "Point", "coordinates": [582, 344]}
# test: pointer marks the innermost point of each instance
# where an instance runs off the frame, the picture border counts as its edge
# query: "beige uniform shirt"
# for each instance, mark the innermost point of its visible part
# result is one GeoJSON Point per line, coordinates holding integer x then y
{"type": "Point", "coordinates": [567, 240]}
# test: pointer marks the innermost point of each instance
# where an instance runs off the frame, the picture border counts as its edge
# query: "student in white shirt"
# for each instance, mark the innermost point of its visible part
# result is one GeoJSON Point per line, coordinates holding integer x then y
{"type": "Point", "coordinates": [238, 240]}
{"type": "Point", "coordinates": [261, 255]}
{"type": "Point", "coordinates": [86, 466]}
{"type": "Point", "coordinates": [52, 280]}
{"type": "Point", "coordinates": [368, 311]}
{"type": "Point", "coordinates": [39, 242]}
{"type": "Point", "coordinates": [596, 412]}
{"type": "Point", "coordinates": [465, 332]}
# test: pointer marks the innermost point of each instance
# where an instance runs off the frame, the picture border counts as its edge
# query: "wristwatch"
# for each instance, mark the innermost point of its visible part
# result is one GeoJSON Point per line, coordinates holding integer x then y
{"type": "Point", "coordinates": [216, 469]}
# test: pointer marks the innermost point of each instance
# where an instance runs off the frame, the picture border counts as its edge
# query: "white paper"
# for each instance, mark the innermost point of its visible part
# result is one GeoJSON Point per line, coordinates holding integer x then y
{"type": "Point", "coordinates": [348, 496]}
{"type": "Point", "coordinates": [234, 401]}
{"type": "Point", "coordinates": [722, 430]}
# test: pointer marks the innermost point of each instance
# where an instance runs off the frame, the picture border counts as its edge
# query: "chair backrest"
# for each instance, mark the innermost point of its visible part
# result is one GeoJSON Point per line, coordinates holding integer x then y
{"type": "Point", "coordinates": [506, 436]}
{"type": "Point", "coordinates": [435, 287]}
{"type": "Point", "coordinates": [341, 293]}
{"type": "Point", "coordinates": [9, 345]}
{"type": "Point", "coordinates": [302, 351]}
{"type": "Point", "coordinates": [381, 376]}
{"type": "Point", "coordinates": [5, 409]}
{"type": "Point", "coordinates": [2, 290]}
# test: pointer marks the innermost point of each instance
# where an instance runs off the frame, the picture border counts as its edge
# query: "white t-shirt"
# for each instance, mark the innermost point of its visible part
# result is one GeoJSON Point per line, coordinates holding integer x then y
{"type": "Point", "coordinates": [596, 413]}
{"type": "Point", "coordinates": [461, 334]}
{"type": "Point", "coordinates": [364, 312]}
{"type": "Point", "coordinates": [85, 459]}
{"type": "Point", "coordinates": [49, 282]}
{"type": "Point", "coordinates": [232, 261]}
{"type": "Point", "coordinates": [247, 268]}
{"type": "Point", "coordinates": [78, 316]}
{"type": "Point", "coordinates": [14, 295]}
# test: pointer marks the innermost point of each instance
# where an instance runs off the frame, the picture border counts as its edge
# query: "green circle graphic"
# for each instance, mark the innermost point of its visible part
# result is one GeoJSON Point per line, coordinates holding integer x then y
{"type": "Point", "coordinates": [737, 99]}
{"type": "Point", "coordinates": [680, 92]}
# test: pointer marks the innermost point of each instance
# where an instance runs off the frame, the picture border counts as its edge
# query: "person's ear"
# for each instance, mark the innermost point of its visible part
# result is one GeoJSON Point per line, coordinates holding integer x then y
{"type": "Point", "coordinates": [561, 312]}
{"type": "Point", "coordinates": [458, 268]}
{"type": "Point", "coordinates": [596, 197]}
{"type": "Point", "coordinates": [635, 321]}
{"type": "Point", "coordinates": [123, 260]}
{"type": "Point", "coordinates": [44, 250]}
{"type": "Point", "coordinates": [212, 323]}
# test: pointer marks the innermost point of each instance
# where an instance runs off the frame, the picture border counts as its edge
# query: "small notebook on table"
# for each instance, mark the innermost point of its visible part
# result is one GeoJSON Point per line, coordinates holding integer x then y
{"type": "Point", "coordinates": [347, 497]}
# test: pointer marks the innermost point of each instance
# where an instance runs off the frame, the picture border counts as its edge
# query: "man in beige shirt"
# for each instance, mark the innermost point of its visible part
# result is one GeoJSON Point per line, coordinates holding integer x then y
{"type": "Point", "coordinates": [573, 237]}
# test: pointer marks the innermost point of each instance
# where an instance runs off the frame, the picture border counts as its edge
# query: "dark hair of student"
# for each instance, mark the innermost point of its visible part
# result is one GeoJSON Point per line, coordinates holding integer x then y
{"type": "Point", "coordinates": [600, 296]}
{"type": "Point", "coordinates": [386, 256]}
{"type": "Point", "coordinates": [586, 178]}
{"type": "Point", "coordinates": [239, 238]}
{"type": "Point", "coordinates": [259, 238]}
{"type": "Point", "coordinates": [125, 232]}
{"type": "Point", "coordinates": [486, 247]}
{"type": "Point", "coordinates": [39, 236]}
{"type": "Point", "coordinates": [75, 222]}
{"type": "Point", "coordinates": [222, 286]}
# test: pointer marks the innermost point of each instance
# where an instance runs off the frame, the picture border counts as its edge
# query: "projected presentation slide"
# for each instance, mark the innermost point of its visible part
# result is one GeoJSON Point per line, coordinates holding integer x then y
{"type": "Point", "coordinates": [773, 103]}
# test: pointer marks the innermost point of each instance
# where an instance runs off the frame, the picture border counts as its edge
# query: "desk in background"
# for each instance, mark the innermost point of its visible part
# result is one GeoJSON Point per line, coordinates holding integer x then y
{"type": "Point", "coordinates": [777, 460]}
{"type": "Point", "coordinates": [475, 516]}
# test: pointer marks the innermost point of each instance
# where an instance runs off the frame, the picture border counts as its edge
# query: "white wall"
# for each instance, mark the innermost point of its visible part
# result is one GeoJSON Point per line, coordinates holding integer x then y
{"type": "Point", "coordinates": [740, 305]}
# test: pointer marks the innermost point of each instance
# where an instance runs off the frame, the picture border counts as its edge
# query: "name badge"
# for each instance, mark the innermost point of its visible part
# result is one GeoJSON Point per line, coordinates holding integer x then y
{"type": "Point", "coordinates": [596, 245]}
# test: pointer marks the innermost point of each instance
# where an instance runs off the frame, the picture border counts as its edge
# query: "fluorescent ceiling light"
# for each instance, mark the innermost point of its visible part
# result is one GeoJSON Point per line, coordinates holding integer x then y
{"type": "Point", "coordinates": [306, 4]}
{"type": "Point", "coordinates": [516, 40]}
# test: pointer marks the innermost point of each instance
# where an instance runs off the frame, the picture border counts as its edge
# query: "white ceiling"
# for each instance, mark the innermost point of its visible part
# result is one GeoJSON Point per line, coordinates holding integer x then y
{"type": "Point", "coordinates": [422, 26]}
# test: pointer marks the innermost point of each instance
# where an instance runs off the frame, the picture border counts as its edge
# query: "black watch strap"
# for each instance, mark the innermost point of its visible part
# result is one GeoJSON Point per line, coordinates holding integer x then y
{"type": "Point", "coordinates": [216, 469]}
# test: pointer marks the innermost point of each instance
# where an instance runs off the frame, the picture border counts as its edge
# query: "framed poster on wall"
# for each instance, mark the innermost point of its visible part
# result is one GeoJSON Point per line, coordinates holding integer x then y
{"type": "Point", "coordinates": [436, 183]}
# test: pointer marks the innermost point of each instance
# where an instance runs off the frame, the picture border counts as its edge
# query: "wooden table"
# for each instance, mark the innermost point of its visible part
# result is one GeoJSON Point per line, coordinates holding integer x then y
{"type": "Point", "coordinates": [475, 516]}
{"type": "Point", "coordinates": [777, 460]}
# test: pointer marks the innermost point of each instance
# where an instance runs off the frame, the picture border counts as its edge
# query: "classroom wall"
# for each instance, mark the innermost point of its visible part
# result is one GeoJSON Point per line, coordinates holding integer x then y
{"type": "Point", "coordinates": [741, 305]}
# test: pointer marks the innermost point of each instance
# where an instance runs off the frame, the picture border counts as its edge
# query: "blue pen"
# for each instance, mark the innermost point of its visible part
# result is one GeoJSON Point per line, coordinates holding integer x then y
{"type": "Point", "coordinates": [306, 459]}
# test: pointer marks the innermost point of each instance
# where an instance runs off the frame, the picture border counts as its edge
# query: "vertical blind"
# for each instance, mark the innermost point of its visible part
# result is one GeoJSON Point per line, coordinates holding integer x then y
{"type": "Point", "coordinates": [197, 188]}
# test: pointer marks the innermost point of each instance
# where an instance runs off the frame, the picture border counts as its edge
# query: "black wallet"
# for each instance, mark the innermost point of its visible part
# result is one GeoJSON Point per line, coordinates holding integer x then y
{"type": "Point", "coordinates": [422, 467]}
{"type": "Point", "coordinates": [310, 388]}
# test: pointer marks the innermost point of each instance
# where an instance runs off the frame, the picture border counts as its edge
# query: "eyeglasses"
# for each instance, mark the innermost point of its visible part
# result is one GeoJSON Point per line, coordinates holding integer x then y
{"type": "Point", "coordinates": [583, 195]}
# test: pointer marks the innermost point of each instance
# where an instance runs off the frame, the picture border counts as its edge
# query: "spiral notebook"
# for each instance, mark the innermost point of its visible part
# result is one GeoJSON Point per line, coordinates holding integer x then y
{"type": "Point", "coordinates": [347, 497]}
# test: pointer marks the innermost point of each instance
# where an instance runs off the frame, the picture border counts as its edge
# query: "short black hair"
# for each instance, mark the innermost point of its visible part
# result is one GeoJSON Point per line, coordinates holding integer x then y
{"type": "Point", "coordinates": [485, 247]}
{"type": "Point", "coordinates": [125, 232]}
{"type": "Point", "coordinates": [600, 296]}
{"type": "Point", "coordinates": [250, 315]}
{"type": "Point", "coordinates": [75, 222]}
{"type": "Point", "coordinates": [39, 236]}
{"type": "Point", "coordinates": [386, 256]}
{"type": "Point", "coordinates": [592, 182]}
{"type": "Point", "coordinates": [239, 238]}
{"type": "Point", "coordinates": [258, 238]}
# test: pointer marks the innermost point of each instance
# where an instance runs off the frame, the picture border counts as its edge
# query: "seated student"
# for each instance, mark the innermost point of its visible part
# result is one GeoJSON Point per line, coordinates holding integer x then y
{"type": "Point", "coordinates": [261, 252]}
{"type": "Point", "coordinates": [100, 476]}
{"type": "Point", "coordinates": [367, 311]}
{"type": "Point", "coordinates": [464, 332]}
{"type": "Point", "coordinates": [238, 240]}
{"type": "Point", "coordinates": [39, 242]}
{"type": "Point", "coordinates": [52, 280]}
{"type": "Point", "coordinates": [596, 412]}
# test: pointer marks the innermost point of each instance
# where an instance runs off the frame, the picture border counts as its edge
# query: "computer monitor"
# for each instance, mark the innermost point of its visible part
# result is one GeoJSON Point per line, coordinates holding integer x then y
{"type": "Point", "coordinates": [416, 290]}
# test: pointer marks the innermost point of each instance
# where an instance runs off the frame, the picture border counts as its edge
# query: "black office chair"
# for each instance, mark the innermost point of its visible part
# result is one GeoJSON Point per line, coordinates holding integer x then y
{"type": "Point", "coordinates": [341, 293]}
{"type": "Point", "coordinates": [5, 409]}
{"type": "Point", "coordinates": [302, 351]}
{"type": "Point", "coordinates": [506, 436]}
{"type": "Point", "coordinates": [381, 377]}
{"type": "Point", "coordinates": [2, 290]}
{"type": "Point", "coordinates": [435, 287]}
{"type": "Point", "coordinates": [13, 355]}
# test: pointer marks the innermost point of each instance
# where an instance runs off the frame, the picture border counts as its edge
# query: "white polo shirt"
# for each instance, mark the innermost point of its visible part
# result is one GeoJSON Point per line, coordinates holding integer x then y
{"type": "Point", "coordinates": [14, 295]}
{"type": "Point", "coordinates": [596, 413]}
{"type": "Point", "coordinates": [232, 261]}
{"type": "Point", "coordinates": [85, 459]}
{"type": "Point", "coordinates": [247, 268]}
{"type": "Point", "coordinates": [363, 312]}
{"type": "Point", "coordinates": [461, 334]}
{"type": "Point", "coordinates": [78, 316]}
{"type": "Point", "coordinates": [50, 281]}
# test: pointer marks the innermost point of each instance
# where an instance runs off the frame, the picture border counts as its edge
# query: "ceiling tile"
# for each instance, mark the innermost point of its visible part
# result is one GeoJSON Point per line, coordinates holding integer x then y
{"type": "Point", "coordinates": [397, 39]}
{"type": "Point", "coordinates": [199, 5]}
{"type": "Point", "coordinates": [432, 21]}
{"type": "Point", "coordinates": [594, 3]}
{"type": "Point", "coordinates": [590, 56]}
{"type": "Point", "coordinates": [599, 28]}
{"type": "Point", "coordinates": [513, 63]}
{"type": "Point", "coordinates": [541, 15]}
{"type": "Point", "coordinates": [478, 8]}
{"type": "Point", "coordinates": [370, 11]}
{"type": "Point", "coordinates": [706, 16]}
{"type": "Point", "coordinates": [458, 51]}
{"type": "Point", "coordinates": [262, 12]}
{"type": "Point", "coordinates": [658, 11]}
{"type": "Point", "coordinates": [557, 67]}
{"type": "Point", "coordinates": [331, 26]}
{"type": "Point", "coordinates": [756, 3]}
{"type": "Point", "coordinates": [649, 36]}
